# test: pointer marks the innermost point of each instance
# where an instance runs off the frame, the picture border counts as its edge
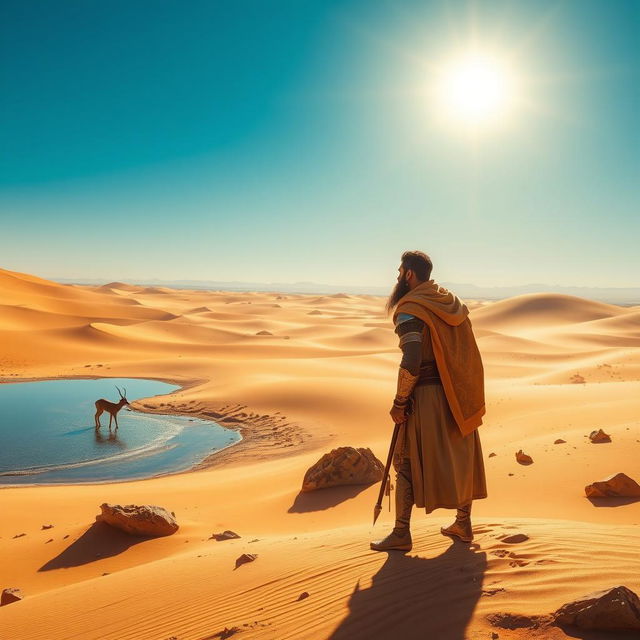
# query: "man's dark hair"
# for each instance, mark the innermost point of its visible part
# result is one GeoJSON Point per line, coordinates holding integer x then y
{"type": "Point", "coordinates": [419, 262]}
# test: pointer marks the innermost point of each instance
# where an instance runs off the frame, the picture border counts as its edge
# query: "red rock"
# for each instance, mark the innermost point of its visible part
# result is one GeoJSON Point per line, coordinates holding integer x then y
{"type": "Point", "coordinates": [614, 608]}
{"type": "Point", "coordinates": [491, 455]}
{"type": "Point", "coordinates": [559, 441]}
{"type": "Point", "coordinates": [618, 484]}
{"type": "Point", "coordinates": [303, 595]}
{"type": "Point", "coordinates": [523, 458]}
{"type": "Point", "coordinates": [343, 466]}
{"type": "Point", "coordinates": [599, 436]}
{"type": "Point", "coordinates": [144, 520]}
{"type": "Point", "coordinates": [245, 557]}
{"type": "Point", "coordinates": [9, 596]}
{"type": "Point", "coordinates": [225, 535]}
{"type": "Point", "coordinates": [515, 538]}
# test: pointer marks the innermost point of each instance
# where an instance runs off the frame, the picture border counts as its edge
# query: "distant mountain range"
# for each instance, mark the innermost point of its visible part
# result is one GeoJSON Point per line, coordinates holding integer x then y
{"type": "Point", "coordinates": [620, 295]}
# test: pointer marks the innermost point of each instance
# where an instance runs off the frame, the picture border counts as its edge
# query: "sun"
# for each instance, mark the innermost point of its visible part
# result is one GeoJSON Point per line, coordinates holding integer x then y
{"type": "Point", "coordinates": [474, 89]}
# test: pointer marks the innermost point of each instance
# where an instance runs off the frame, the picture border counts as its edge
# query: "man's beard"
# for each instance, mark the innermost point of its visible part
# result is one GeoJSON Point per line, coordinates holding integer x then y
{"type": "Point", "coordinates": [399, 290]}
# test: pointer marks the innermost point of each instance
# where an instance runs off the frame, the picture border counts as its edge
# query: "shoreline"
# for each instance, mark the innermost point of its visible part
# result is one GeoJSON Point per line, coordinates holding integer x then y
{"type": "Point", "coordinates": [254, 430]}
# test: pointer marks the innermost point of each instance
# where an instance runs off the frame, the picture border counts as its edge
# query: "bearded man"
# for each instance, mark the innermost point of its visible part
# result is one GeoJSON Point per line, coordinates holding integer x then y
{"type": "Point", "coordinates": [439, 404]}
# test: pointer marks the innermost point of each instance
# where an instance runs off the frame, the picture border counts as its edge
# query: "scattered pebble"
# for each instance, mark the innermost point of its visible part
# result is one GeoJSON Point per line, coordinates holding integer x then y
{"type": "Point", "coordinates": [523, 458]}
{"type": "Point", "coordinates": [245, 557]}
{"type": "Point", "coordinates": [303, 595]}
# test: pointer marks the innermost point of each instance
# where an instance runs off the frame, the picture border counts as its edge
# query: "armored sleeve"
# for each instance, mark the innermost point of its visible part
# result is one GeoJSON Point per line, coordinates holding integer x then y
{"type": "Point", "coordinates": [410, 332]}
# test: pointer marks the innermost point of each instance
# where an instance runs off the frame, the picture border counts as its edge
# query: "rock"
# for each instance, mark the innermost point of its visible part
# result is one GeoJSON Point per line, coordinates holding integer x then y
{"type": "Point", "coordinates": [225, 535]}
{"type": "Point", "coordinates": [523, 458]}
{"type": "Point", "coordinates": [618, 484]}
{"type": "Point", "coordinates": [9, 596]}
{"type": "Point", "coordinates": [515, 538]}
{"type": "Point", "coordinates": [264, 333]}
{"type": "Point", "coordinates": [19, 535]}
{"type": "Point", "coordinates": [47, 526]}
{"type": "Point", "coordinates": [559, 441]}
{"type": "Point", "coordinates": [343, 466]}
{"type": "Point", "coordinates": [245, 557]}
{"type": "Point", "coordinates": [303, 595]}
{"type": "Point", "coordinates": [491, 454]}
{"type": "Point", "coordinates": [599, 436]}
{"type": "Point", "coordinates": [144, 520]}
{"type": "Point", "coordinates": [614, 608]}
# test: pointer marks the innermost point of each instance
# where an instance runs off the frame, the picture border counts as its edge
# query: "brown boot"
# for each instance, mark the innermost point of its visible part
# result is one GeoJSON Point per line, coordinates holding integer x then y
{"type": "Point", "coordinates": [400, 537]}
{"type": "Point", "coordinates": [461, 527]}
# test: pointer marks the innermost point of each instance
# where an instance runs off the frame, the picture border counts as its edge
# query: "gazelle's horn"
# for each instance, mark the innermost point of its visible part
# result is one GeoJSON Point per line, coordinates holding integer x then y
{"type": "Point", "coordinates": [124, 395]}
{"type": "Point", "coordinates": [120, 392]}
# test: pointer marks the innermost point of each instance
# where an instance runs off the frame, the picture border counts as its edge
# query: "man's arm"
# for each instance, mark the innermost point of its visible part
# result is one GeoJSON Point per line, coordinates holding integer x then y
{"type": "Point", "coordinates": [410, 331]}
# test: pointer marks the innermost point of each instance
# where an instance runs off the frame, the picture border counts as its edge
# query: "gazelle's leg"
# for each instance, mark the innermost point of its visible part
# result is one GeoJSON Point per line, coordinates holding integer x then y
{"type": "Point", "coordinates": [97, 417]}
{"type": "Point", "coordinates": [116, 419]}
{"type": "Point", "coordinates": [110, 419]}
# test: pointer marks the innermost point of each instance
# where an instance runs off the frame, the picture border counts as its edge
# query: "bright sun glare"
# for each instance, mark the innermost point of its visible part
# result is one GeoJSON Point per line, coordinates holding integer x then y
{"type": "Point", "coordinates": [474, 90]}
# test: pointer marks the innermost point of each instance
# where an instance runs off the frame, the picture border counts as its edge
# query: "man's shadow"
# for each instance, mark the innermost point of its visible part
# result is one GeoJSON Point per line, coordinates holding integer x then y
{"type": "Point", "coordinates": [417, 598]}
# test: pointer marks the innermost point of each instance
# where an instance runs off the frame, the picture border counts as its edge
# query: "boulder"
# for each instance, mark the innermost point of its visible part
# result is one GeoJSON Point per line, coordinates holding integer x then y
{"type": "Point", "coordinates": [343, 466]}
{"type": "Point", "coordinates": [614, 608]}
{"type": "Point", "coordinates": [599, 436]}
{"type": "Point", "coordinates": [559, 441]}
{"type": "Point", "coordinates": [618, 484]}
{"type": "Point", "coordinates": [144, 520]}
{"type": "Point", "coordinates": [523, 458]}
{"type": "Point", "coordinates": [10, 595]}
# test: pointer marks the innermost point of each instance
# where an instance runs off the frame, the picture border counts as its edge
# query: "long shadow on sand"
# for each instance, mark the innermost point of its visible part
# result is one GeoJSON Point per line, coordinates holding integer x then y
{"type": "Point", "coordinates": [324, 498]}
{"type": "Point", "coordinates": [98, 541]}
{"type": "Point", "coordinates": [417, 598]}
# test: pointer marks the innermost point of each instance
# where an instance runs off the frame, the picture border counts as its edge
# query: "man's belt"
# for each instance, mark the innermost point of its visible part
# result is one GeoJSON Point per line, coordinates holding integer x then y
{"type": "Point", "coordinates": [428, 374]}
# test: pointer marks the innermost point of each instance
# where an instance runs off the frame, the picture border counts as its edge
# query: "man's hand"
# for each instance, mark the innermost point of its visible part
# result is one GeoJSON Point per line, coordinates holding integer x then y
{"type": "Point", "coordinates": [398, 414]}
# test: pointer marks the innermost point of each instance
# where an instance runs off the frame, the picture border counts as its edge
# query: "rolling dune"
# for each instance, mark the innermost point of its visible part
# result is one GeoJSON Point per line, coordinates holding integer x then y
{"type": "Point", "coordinates": [556, 367]}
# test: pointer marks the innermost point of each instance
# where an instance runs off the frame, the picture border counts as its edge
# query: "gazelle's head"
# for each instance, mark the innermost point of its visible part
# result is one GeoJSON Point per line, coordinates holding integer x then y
{"type": "Point", "coordinates": [123, 396]}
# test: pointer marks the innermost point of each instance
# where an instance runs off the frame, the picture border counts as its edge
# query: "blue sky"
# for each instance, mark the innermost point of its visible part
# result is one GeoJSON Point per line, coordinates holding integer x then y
{"type": "Point", "coordinates": [293, 141]}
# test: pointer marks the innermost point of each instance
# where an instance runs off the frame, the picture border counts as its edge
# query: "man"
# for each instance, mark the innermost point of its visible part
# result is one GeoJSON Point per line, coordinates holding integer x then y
{"type": "Point", "coordinates": [439, 404]}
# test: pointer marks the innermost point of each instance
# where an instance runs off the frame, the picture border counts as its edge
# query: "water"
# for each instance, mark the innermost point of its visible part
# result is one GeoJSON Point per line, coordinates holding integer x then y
{"type": "Point", "coordinates": [47, 434]}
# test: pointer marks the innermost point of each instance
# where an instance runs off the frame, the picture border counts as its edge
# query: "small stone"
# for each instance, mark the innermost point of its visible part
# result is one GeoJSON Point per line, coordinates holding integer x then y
{"type": "Point", "coordinates": [19, 535]}
{"type": "Point", "coordinates": [599, 436]}
{"type": "Point", "coordinates": [303, 595]}
{"type": "Point", "coordinates": [10, 595]}
{"type": "Point", "coordinates": [225, 535]}
{"type": "Point", "coordinates": [559, 441]}
{"type": "Point", "coordinates": [47, 526]}
{"type": "Point", "coordinates": [491, 454]}
{"type": "Point", "coordinates": [523, 458]}
{"type": "Point", "coordinates": [515, 538]}
{"type": "Point", "coordinates": [245, 557]}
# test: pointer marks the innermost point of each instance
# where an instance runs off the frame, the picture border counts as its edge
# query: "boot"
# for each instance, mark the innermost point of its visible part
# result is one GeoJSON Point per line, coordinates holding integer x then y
{"type": "Point", "coordinates": [400, 537]}
{"type": "Point", "coordinates": [461, 527]}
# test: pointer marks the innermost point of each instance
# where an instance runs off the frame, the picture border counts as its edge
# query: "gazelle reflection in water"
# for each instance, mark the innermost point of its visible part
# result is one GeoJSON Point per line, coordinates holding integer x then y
{"type": "Point", "coordinates": [111, 408]}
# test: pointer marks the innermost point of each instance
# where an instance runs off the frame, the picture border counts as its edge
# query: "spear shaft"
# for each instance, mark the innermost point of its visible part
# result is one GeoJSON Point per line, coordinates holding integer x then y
{"type": "Point", "coordinates": [378, 508]}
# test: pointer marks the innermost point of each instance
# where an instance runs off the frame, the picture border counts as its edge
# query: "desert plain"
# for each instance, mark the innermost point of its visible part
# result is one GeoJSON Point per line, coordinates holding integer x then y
{"type": "Point", "coordinates": [300, 375]}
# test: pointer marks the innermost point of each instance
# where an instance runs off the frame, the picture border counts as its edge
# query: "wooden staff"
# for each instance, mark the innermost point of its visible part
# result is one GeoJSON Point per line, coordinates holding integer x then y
{"type": "Point", "coordinates": [378, 508]}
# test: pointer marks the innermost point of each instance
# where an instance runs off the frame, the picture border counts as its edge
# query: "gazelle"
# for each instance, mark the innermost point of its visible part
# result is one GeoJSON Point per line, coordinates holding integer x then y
{"type": "Point", "coordinates": [111, 408]}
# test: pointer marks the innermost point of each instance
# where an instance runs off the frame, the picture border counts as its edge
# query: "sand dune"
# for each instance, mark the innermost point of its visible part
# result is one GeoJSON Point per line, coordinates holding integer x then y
{"type": "Point", "coordinates": [556, 367]}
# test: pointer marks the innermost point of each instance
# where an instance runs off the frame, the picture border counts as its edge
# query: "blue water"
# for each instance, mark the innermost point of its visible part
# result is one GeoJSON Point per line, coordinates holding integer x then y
{"type": "Point", "coordinates": [47, 434]}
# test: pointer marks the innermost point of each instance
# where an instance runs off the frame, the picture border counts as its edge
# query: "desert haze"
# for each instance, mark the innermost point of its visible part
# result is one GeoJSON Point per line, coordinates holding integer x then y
{"type": "Point", "coordinates": [300, 375]}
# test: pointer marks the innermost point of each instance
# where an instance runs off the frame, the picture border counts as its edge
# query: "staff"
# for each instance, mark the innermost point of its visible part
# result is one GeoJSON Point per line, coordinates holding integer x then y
{"type": "Point", "coordinates": [385, 478]}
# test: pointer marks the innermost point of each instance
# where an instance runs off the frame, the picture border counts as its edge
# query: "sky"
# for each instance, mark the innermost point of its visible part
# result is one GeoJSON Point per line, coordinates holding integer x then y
{"type": "Point", "coordinates": [288, 141]}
